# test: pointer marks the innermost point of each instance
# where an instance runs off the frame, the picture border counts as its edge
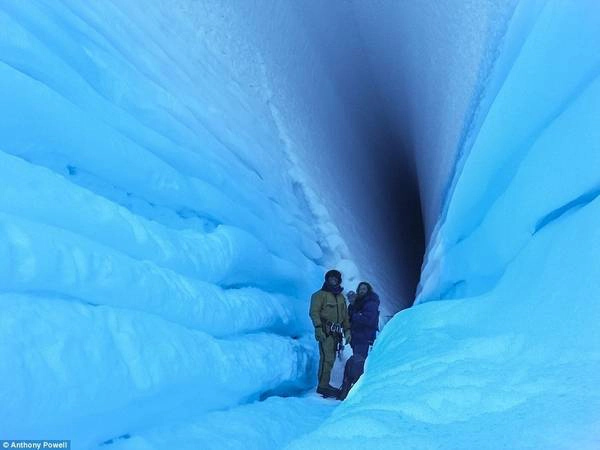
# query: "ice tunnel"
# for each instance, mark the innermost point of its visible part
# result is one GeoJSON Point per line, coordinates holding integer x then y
{"type": "Point", "coordinates": [178, 175]}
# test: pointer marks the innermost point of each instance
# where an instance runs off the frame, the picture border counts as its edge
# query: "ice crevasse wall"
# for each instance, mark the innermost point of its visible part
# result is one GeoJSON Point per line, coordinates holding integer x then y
{"type": "Point", "coordinates": [502, 350]}
{"type": "Point", "coordinates": [157, 249]}
{"type": "Point", "coordinates": [177, 175]}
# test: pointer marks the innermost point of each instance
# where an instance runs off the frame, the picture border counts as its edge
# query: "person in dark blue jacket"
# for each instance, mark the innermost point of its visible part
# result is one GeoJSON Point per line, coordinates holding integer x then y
{"type": "Point", "coordinates": [364, 319]}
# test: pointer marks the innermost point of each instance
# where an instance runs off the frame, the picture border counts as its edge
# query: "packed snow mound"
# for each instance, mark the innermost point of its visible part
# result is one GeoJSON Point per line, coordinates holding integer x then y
{"type": "Point", "coordinates": [502, 350]}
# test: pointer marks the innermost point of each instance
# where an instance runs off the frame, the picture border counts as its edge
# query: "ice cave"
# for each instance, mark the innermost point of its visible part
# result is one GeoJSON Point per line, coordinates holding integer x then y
{"type": "Point", "coordinates": [178, 175]}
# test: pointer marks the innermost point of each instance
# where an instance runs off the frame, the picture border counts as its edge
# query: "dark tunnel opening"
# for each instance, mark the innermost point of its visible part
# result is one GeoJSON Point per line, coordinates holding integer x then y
{"type": "Point", "coordinates": [385, 152]}
{"type": "Point", "coordinates": [352, 129]}
{"type": "Point", "coordinates": [380, 146]}
{"type": "Point", "coordinates": [404, 219]}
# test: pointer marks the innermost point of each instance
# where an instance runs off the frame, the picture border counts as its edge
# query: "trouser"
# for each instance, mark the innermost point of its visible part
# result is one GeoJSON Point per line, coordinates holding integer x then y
{"type": "Point", "coordinates": [360, 349]}
{"type": "Point", "coordinates": [327, 349]}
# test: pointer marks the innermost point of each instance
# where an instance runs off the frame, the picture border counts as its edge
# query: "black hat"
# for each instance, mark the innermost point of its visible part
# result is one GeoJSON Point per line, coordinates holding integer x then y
{"type": "Point", "coordinates": [334, 273]}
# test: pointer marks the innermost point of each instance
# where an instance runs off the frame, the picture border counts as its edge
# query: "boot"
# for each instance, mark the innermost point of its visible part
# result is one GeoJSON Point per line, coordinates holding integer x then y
{"type": "Point", "coordinates": [344, 390]}
{"type": "Point", "coordinates": [328, 391]}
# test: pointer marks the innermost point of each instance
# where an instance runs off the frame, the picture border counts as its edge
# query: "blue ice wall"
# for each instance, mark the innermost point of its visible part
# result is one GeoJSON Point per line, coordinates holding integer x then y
{"type": "Point", "coordinates": [157, 249]}
{"type": "Point", "coordinates": [529, 155]}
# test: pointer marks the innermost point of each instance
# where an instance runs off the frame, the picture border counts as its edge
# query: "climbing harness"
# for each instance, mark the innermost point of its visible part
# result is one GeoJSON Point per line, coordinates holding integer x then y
{"type": "Point", "coordinates": [336, 330]}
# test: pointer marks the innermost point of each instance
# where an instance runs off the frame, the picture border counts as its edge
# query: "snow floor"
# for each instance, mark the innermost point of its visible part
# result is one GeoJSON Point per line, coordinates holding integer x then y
{"type": "Point", "coordinates": [269, 424]}
{"type": "Point", "coordinates": [272, 423]}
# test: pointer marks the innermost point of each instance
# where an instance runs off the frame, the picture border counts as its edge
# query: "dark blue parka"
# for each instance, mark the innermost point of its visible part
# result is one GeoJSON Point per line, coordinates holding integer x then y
{"type": "Point", "coordinates": [364, 319]}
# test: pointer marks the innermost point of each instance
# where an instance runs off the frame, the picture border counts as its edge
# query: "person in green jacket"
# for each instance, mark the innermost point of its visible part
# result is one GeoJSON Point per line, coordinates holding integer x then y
{"type": "Point", "coordinates": [329, 315]}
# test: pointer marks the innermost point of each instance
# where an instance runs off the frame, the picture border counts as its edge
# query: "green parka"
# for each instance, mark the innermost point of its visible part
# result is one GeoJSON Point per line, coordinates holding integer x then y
{"type": "Point", "coordinates": [326, 306]}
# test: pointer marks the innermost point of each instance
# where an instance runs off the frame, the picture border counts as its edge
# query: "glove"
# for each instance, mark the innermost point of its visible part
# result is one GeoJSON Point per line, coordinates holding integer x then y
{"type": "Point", "coordinates": [319, 334]}
{"type": "Point", "coordinates": [348, 337]}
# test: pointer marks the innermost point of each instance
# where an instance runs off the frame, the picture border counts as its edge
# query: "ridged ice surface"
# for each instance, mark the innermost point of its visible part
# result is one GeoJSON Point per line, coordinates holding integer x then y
{"type": "Point", "coordinates": [157, 251]}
